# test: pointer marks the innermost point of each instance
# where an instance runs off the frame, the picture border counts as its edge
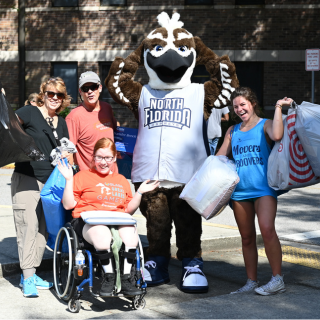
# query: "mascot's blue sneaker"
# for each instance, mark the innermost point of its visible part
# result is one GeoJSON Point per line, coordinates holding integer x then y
{"type": "Point", "coordinates": [193, 279]}
{"type": "Point", "coordinates": [155, 271]}
{"type": "Point", "coordinates": [40, 283]}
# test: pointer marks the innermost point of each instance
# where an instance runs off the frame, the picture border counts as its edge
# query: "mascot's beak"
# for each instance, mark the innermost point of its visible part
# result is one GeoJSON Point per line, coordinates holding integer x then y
{"type": "Point", "coordinates": [170, 67]}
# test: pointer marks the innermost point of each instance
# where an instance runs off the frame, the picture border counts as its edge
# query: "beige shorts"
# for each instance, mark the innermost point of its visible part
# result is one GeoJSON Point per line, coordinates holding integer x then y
{"type": "Point", "coordinates": [29, 219]}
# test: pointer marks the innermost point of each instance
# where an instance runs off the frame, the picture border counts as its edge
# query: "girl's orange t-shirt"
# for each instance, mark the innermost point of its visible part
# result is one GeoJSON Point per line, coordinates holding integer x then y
{"type": "Point", "coordinates": [93, 191]}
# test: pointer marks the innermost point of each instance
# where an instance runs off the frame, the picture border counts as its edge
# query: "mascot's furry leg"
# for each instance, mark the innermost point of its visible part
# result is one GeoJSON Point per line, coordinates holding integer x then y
{"type": "Point", "coordinates": [160, 207]}
{"type": "Point", "coordinates": [155, 207]}
{"type": "Point", "coordinates": [188, 225]}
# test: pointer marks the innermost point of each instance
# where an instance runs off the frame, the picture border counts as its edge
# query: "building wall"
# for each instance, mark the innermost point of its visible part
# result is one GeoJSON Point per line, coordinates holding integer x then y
{"type": "Point", "coordinates": [276, 34]}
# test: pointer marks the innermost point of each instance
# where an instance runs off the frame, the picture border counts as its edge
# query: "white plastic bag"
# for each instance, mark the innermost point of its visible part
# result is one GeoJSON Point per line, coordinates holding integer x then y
{"type": "Point", "coordinates": [308, 130]}
{"type": "Point", "coordinates": [288, 165]}
{"type": "Point", "coordinates": [210, 188]}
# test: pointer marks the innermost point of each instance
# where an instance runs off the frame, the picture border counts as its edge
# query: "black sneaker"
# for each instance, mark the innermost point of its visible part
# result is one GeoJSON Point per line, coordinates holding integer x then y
{"type": "Point", "coordinates": [107, 285]}
{"type": "Point", "coordinates": [128, 284]}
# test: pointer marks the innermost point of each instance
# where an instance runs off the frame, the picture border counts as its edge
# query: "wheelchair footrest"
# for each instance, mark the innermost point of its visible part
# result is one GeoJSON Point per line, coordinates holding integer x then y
{"type": "Point", "coordinates": [102, 256]}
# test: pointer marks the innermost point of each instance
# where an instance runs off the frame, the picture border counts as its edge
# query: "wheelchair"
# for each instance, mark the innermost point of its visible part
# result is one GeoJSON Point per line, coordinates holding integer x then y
{"type": "Point", "coordinates": [69, 286]}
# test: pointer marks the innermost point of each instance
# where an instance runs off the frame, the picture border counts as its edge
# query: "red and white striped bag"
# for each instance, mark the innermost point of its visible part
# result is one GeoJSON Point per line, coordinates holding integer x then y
{"type": "Point", "coordinates": [288, 165]}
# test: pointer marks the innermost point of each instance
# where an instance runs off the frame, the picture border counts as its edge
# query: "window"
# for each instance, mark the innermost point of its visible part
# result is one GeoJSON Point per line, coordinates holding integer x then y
{"type": "Point", "coordinates": [68, 71]}
{"type": "Point", "coordinates": [250, 74]}
{"type": "Point", "coordinates": [104, 70]}
{"type": "Point", "coordinates": [113, 2]}
{"type": "Point", "coordinates": [198, 2]}
{"type": "Point", "coordinates": [249, 2]}
{"type": "Point", "coordinates": [65, 3]}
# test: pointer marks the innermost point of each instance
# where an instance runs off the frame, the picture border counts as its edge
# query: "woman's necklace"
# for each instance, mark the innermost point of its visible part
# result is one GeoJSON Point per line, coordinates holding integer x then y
{"type": "Point", "coordinates": [45, 114]}
{"type": "Point", "coordinates": [250, 125]}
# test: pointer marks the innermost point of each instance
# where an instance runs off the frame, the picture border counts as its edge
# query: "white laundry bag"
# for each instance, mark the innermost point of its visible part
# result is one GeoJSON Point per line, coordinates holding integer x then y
{"type": "Point", "coordinates": [210, 188]}
{"type": "Point", "coordinates": [288, 165]}
{"type": "Point", "coordinates": [308, 130]}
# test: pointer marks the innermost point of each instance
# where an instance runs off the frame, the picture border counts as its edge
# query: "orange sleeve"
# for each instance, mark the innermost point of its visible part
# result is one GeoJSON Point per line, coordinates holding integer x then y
{"type": "Point", "coordinates": [77, 186]}
{"type": "Point", "coordinates": [114, 121]}
{"type": "Point", "coordinates": [128, 191]}
{"type": "Point", "coordinates": [73, 129]}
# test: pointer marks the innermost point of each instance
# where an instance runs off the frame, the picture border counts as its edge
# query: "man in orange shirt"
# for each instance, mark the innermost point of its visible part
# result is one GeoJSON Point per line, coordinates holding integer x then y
{"type": "Point", "coordinates": [91, 120]}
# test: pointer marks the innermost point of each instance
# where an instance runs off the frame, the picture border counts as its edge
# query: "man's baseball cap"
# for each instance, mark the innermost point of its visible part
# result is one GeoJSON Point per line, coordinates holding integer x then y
{"type": "Point", "coordinates": [88, 76]}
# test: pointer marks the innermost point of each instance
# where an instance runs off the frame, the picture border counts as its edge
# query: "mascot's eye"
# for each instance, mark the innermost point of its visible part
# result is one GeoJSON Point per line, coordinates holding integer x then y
{"type": "Point", "coordinates": [158, 48]}
{"type": "Point", "coordinates": [183, 48]}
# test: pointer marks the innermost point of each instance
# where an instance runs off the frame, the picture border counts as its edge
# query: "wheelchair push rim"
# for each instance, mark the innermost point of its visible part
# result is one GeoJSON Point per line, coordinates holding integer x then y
{"type": "Point", "coordinates": [64, 281]}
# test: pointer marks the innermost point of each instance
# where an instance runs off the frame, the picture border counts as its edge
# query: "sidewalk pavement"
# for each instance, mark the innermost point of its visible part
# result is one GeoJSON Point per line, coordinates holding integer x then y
{"type": "Point", "coordinates": [224, 269]}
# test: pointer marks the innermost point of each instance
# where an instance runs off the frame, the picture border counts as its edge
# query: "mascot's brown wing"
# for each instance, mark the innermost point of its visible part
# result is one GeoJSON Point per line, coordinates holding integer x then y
{"type": "Point", "coordinates": [223, 78]}
{"type": "Point", "coordinates": [120, 82]}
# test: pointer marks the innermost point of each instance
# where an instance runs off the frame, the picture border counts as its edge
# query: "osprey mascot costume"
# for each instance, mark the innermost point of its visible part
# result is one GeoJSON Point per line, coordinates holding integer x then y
{"type": "Point", "coordinates": [170, 144]}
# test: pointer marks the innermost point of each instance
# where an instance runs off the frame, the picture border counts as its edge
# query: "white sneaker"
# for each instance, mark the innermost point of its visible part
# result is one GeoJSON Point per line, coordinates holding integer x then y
{"type": "Point", "coordinates": [248, 287]}
{"type": "Point", "coordinates": [274, 286]}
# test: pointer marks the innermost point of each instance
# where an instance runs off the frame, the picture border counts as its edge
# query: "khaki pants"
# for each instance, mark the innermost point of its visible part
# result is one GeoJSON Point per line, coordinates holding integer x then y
{"type": "Point", "coordinates": [29, 219]}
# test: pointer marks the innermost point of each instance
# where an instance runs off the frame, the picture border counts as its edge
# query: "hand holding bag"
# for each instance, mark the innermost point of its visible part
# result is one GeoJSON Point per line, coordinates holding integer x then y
{"type": "Point", "coordinates": [288, 165]}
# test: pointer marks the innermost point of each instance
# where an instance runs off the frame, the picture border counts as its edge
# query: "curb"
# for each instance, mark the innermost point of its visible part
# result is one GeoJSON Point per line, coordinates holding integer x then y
{"type": "Point", "coordinates": [214, 244]}
{"type": "Point", "coordinates": [9, 269]}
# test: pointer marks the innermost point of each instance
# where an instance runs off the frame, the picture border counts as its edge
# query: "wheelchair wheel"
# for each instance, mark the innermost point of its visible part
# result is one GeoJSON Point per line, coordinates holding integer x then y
{"type": "Point", "coordinates": [138, 303]}
{"type": "Point", "coordinates": [74, 306]}
{"type": "Point", "coordinates": [63, 260]}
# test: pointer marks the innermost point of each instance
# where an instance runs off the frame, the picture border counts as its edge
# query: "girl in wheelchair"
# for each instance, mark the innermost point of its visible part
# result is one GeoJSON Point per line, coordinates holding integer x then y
{"type": "Point", "coordinates": [100, 188]}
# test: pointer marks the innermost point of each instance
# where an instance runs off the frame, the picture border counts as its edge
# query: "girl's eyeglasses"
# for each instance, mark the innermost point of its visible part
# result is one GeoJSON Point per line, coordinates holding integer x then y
{"type": "Point", "coordinates": [107, 159]}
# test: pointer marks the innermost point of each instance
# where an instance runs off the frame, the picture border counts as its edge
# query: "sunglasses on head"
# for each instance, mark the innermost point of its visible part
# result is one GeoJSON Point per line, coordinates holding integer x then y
{"type": "Point", "coordinates": [93, 87]}
{"type": "Point", "coordinates": [52, 79]}
{"type": "Point", "coordinates": [51, 94]}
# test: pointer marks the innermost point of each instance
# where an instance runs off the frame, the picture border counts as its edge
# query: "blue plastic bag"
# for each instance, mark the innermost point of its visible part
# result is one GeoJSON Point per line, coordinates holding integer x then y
{"type": "Point", "coordinates": [125, 140]}
{"type": "Point", "coordinates": [55, 214]}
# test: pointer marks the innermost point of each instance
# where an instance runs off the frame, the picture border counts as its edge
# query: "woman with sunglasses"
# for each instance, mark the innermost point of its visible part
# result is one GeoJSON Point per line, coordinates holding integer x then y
{"type": "Point", "coordinates": [100, 188]}
{"type": "Point", "coordinates": [43, 123]}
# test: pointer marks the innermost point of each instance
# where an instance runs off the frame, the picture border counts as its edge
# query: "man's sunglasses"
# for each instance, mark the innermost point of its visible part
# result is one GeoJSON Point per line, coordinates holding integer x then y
{"type": "Point", "coordinates": [93, 87]}
{"type": "Point", "coordinates": [51, 94]}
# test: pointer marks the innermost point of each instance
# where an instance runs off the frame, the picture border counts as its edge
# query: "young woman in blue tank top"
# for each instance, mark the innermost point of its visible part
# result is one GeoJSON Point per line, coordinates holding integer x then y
{"type": "Point", "coordinates": [249, 143]}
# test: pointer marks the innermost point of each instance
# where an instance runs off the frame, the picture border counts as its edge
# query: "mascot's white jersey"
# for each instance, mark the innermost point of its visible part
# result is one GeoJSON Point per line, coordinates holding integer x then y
{"type": "Point", "coordinates": [170, 143]}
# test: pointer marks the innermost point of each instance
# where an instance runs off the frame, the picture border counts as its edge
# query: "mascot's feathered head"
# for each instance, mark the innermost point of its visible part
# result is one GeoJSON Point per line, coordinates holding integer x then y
{"type": "Point", "coordinates": [169, 54]}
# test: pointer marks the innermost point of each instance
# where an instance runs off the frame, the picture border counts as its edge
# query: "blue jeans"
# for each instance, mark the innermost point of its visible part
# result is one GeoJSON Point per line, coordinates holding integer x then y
{"type": "Point", "coordinates": [213, 145]}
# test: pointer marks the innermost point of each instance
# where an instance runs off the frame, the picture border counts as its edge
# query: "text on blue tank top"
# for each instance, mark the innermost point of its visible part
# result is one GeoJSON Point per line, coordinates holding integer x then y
{"type": "Point", "coordinates": [251, 151]}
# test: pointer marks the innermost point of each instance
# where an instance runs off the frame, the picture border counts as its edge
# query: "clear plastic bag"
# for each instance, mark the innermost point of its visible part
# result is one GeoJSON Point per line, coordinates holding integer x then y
{"type": "Point", "coordinates": [288, 165]}
{"type": "Point", "coordinates": [308, 130]}
{"type": "Point", "coordinates": [210, 188]}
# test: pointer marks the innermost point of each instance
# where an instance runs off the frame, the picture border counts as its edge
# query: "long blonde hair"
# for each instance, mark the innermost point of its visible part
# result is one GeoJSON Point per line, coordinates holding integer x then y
{"type": "Point", "coordinates": [59, 85]}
